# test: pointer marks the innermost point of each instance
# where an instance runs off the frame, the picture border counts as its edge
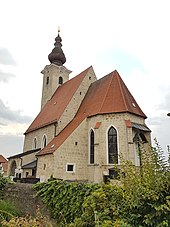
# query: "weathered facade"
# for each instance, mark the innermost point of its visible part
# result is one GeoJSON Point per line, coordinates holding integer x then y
{"type": "Point", "coordinates": [85, 127]}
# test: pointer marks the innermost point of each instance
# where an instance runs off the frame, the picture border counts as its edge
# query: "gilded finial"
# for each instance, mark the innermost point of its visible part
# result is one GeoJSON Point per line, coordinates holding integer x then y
{"type": "Point", "coordinates": [58, 30]}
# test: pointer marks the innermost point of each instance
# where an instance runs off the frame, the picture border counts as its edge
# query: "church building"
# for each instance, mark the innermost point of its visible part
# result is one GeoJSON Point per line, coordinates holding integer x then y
{"type": "Point", "coordinates": [85, 126]}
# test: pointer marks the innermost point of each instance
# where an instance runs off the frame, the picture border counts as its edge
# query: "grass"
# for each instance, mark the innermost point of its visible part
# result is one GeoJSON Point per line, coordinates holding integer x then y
{"type": "Point", "coordinates": [7, 211]}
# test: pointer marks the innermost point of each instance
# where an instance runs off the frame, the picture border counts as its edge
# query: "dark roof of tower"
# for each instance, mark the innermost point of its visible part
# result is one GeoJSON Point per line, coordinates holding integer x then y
{"type": "Point", "coordinates": [57, 56]}
{"type": "Point", "coordinates": [106, 95]}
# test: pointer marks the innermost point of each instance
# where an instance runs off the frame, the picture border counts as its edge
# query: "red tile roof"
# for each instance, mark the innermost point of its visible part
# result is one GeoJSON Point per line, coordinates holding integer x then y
{"type": "Point", "coordinates": [110, 95]}
{"type": "Point", "coordinates": [62, 136]}
{"type": "Point", "coordinates": [107, 95]}
{"type": "Point", "coordinates": [54, 108]}
{"type": "Point", "coordinates": [2, 159]}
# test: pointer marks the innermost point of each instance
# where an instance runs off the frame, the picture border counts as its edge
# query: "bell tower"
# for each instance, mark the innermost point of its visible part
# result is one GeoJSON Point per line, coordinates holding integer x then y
{"type": "Point", "coordinates": [55, 74]}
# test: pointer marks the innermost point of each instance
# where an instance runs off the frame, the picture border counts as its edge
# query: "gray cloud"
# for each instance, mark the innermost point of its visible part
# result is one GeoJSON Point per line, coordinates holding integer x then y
{"type": "Point", "coordinates": [5, 77]}
{"type": "Point", "coordinates": [6, 115]}
{"type": "Point", "coordinates": [154, 121]}
{"type": "Point", "coordinates": [160, 127]}
{"type": "Point", "coordinates": [11, 144]}
{"type": "Point", "coordinates": [165, 106]}
{"type": "Point", "coordinates": [2, 124]}
{"type": "Point", "coordinates": [6, 57]}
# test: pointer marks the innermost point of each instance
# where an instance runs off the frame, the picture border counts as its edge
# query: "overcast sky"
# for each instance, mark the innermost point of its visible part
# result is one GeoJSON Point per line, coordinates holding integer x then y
{"type": "Point", "coordinates": [130, 36]}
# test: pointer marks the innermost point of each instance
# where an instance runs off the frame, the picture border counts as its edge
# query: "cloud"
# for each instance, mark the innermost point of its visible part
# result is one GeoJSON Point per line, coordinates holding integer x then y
{"type": "Point", "coordinates": [5, 77]}
{"type": "Point", "coordinates": [160, 127]}
{"type": "Point", "coordinates": [6, 57]}
{"type": "Point", "coordinates": [121, 59]}
{"type": "Point", "coordinates": [165, 105]}
{"type": "Point", "coordinates": [2, 124]}
{"type": "Point", "coordinates": [154, 121]}
{"type": "Point", "coordinates": [10, 144]}
{"type": "Point", "coordinates": [126, 61]}
{"type": "Point", "coordinates": [6, 115]}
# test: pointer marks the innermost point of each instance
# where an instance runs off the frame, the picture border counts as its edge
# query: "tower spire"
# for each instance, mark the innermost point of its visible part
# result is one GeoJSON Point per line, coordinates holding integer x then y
{"type": "Point", "coordinates": [57, 56]}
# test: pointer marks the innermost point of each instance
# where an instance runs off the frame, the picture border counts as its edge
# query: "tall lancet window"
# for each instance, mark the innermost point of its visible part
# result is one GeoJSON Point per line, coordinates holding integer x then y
{"type": "Point", "coordinates": [112, 146]}
{"type": "Point", "coordinates": [44, 141]}
{"type": "Point", "coordinates": [91, 147]}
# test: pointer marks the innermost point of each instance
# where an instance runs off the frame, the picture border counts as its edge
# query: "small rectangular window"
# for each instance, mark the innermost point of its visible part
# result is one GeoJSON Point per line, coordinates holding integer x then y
{"type": "Point", "coordinates": [70, 167]}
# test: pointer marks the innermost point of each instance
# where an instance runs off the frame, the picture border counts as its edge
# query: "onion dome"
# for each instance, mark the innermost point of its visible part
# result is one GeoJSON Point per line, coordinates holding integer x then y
{"type": "Point", "coordinates": [57, 56]}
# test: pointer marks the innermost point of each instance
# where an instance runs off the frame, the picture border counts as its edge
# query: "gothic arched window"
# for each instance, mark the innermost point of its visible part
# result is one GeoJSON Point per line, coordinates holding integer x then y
{"type": "Point", "coordinates": [112, 146]}
{"type": "Point", "coordinates": [60, 80]}
{"type": "Point", "coordinates": [91, 147]}
{"type": "Point", "coordinates": [44, 141]}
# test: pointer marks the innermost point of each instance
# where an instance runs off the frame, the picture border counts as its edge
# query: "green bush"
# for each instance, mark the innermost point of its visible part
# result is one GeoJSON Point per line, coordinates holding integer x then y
{"type": "Point", "coordinates": [140, 199]}
{"type": "Point", "coordinates": [3, 182]}
{"type": "Point", "coordinates": [64, 199]}
{"type": "Point", "coordinates": [7, 211]}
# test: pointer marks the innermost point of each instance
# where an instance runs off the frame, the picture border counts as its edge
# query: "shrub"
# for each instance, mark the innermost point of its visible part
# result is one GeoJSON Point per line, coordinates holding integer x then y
{"type": "Point", "coordinates": [7, 211]}
{"type": "Point", "coordinates": [142, 197]}
{"type": "Point", "coordinates": [64, 199]}
{"type": "Point", "coordinates": [28, 221]}
{"type": "Point", "coordinates": [3, 182]}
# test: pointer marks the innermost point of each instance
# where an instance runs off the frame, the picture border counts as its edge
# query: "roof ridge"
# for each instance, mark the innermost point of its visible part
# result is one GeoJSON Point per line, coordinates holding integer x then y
{"type": "Point", "coordinates": [106, 91]}
{"type": "Point", "coordinates": [121, 90]}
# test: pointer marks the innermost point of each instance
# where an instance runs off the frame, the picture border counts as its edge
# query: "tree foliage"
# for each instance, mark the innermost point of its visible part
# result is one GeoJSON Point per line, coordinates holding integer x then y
{"type": "Point", "coordinates": [140, 198]}
{"type": "Point", "coordinates": [64, 199]}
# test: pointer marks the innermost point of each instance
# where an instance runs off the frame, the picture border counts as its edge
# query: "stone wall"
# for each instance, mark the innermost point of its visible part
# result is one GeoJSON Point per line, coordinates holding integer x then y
{"type": "Point", "coordinates": [24, 199]}
{"type": "Point", "coordinates": [45, 167]}
{"type": "Point", "coordinates": [48, 131]}
{"type": "Point", "coordinates": [75, 149]}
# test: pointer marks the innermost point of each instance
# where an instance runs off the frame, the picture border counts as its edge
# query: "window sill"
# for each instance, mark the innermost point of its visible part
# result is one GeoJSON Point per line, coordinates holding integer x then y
{"type": "Point", "coordinates": [110, 164]}
{"type": "Point", "coordinates": [93, 164]}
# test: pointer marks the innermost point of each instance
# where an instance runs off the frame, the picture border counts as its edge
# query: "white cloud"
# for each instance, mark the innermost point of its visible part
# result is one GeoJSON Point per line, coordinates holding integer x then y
{"type": "Point", "coordinates": [5, 77]}
{"type": "Point", "coordinates": [6, 57]}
